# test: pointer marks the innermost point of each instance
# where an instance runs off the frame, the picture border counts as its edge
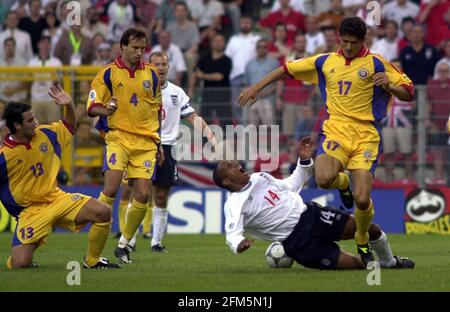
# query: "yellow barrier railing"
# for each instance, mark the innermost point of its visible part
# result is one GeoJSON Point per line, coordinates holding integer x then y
{"type": "Point", "coordinates": [67, 76]}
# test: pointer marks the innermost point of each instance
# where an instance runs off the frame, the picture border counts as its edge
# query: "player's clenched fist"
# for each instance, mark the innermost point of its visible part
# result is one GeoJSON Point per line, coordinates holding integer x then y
{"type": "Point", "coordinates": [112, 106]}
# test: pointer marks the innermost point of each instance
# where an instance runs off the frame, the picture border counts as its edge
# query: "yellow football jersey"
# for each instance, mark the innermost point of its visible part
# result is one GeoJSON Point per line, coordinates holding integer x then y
{"type": "Point", "coordinates": [139, 98]}
{"type": "Point", "coordinates": [346, 86]}
{"type": "Point", "coordinates": [28, 171]}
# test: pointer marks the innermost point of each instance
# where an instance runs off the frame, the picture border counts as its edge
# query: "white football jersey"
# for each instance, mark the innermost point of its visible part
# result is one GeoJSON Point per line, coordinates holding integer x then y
{"type": "Point", "coordinates": [266, 208]}
{"type": "Point", "coordinates": [175, 105]}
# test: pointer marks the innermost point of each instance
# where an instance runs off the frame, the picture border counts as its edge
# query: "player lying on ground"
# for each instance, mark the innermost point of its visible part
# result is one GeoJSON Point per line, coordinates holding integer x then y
{"type": "Point", "coordinates": [272, 209]}
{"type": "Point", "coordinates": [29, 162]}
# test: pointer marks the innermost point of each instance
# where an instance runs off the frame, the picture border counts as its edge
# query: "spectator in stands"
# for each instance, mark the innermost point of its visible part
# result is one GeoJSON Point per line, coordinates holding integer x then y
{"type": "Point", "coordinates": [314, 37]}
{"type": "Point", "coordinates": [34, 24]}
{"type": "Point", "coordinates": [23, 40]}
{"type": "Point", "coordinates": [74, 48]}
{"type": "Point", "coordinates": [62, 10]}
{"type": "Point", "coordinates": [262, 112]}
{"type": "Point", "coordinates": [331, 41]}
{"type": "Point", "coordinates": [185, 35]}
{"type": "Point", "coordinates": [93, 24]}
{"type": "Point", "coordinates": [294, 21]}
{"type": "Point", "coordinates": [419, 58]}
{"type": "Point", "coordinates": [98, 39]}
{"type": "Point", "coordinates": [444, 59]}
{"type": "Point", "coordinates": [43, 105]}
{"type": "Point", "coordinates": [351, 7]}
{"type": "Point", "coordinates": [334, 16]}
{"type": "Point", "coordinates": [213, 70]}
{"type": "Point", "coordinates": [53, 29]}
{"type": "Point", "coordinates": [206, 14]}
{"type": "Point", "coordinates": [121, 17]}
{"type": "Point", "coordinates": [165, 15]}
{"type": "Point", "coordinates": [11, 90]}
{"type": "Point", "coordinates": [293, 95]}
{"type": "Point", "coordinates": [280, 47]}
{"type": "Point", "coordinates": [177, 65]}
{"type": "Point", "coordinates": [397, 134]}
{"type": "Point", "coordinates": [370, 37]}
{"type": "Point", "coordinates": [233, 11]}
{"type": "Point", "coordinates": [240, 49]}
{"type": "Point", "coordinates": [146, 13]}
{"type": "Point", "coordinates": [22, 8]}
{"type": "Point", "coordinates": [103, 55]}
{"type": "Point", "coordinates": [432, 13]}
{"type": "Point", "coordinates": [397, 10]}
{"type": "Point", "coordinates": [116, 50]}
{"type": "Point", "coordinates": [307, 7]}
{"type": "Point", "coordinates": [438, 94]}
{"type": "Point", "coordinates": [387, 46]}
{"type": "Point", "coordinates": [406, 28]}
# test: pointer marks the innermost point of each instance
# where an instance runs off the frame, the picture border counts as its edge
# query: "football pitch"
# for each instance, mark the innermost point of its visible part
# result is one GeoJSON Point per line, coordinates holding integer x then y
{"type": "Point", "coordinates": [200, 263]}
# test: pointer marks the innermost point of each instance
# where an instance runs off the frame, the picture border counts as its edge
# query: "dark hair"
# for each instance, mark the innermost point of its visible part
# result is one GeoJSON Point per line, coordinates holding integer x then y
{"type": "Point", "coordinates": [217, 176]}
{"type": "Point", "coordinates": [8, 40]}
{"type": "Point", "coordinates": [130, 34]}
{"type": "Point", "coordinates": [353, 26]}
{"type": "Point", "coordinates": [183, 4]}
{"type": "Point", "coordinates": [57, 22]}
{"type": "Point", "coordinates": [45, 37]}
{"type": "Point", "coordinates": [13, 113]}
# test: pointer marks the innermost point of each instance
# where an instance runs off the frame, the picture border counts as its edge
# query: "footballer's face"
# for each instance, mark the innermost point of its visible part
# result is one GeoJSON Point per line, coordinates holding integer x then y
{"type": "Point", "coordinates": [134, 50]}
{"type": "Point", "coordinates": [235, 177]}
{"type": "Point", "coordinates": [28, 127]}
{"type": "Point", "coordinates": [350, 45]}
{"type": "Point", "coordinates": [162, 65]}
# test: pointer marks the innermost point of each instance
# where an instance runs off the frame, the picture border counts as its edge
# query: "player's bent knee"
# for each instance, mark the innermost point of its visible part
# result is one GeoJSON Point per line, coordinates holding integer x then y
{"type": "Point", "coordinates": [324, 179]}
{"type": "Point", "coordinates": [141, 195]}
{"type": "Point", "coordinates": [374, 231]}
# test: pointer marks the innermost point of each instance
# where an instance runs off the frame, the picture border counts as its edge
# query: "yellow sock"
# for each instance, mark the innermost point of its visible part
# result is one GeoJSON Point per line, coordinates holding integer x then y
{"type": "Point", "coordinates": [146, 224]}
{"type": "Point", "coordinates": [135, 215]}
{"type": "Point", "coordinates": [341, 182]}
{"type": "Point", "coordinates": [123, 205]}
{"type": "Point", "coordinates": [363, 218]}
{"type": "Point", "coordinates": [98, 234]}
{"type": "Point", "coordinates": [105, 199]}
{"type": "Point", "coordinates": [9, 264]}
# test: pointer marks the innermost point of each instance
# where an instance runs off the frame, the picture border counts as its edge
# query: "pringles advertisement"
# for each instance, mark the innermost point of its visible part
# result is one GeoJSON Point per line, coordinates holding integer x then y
{"type": "Point", "coordinates": [427, 211]}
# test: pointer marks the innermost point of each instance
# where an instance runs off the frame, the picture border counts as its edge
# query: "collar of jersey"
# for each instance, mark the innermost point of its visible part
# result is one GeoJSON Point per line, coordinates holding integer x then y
{"type": "Point", "coordinates": [121, 64]}
{"type": "Point", "coordinates": [362, 52]}
{"type": "Point", "coordinates": [246, 187]}
{"type": "Point", "coordinates": [8, 141]}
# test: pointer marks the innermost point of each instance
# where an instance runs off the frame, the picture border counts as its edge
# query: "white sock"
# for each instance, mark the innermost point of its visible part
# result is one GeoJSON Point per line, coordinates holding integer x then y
{"type": "Point", "coordinates": [159, 224]}
{"type": "Point", "coordinates": [383, 250]}
{"type": "Point", "coordinates": [132, 242]}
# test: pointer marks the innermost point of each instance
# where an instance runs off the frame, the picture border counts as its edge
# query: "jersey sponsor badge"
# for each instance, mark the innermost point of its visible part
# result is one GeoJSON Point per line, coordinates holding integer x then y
{"type": "Point", "coordinates": [146, 84]}
{"type": "Point", "coordinates": [367, 154]}
{"type": "Point", "coordinates": [43, 148]}
{"type": "Point", "coordinates": [92, 95]}
{"type": "Point", "coordinates": [174, 99]}
{"type": "Point", "coordinates": [76, 197]}
{"type": "Point", "coordinates": [363, 73]}
{"type": "Point", "coordinates": [147, 164]}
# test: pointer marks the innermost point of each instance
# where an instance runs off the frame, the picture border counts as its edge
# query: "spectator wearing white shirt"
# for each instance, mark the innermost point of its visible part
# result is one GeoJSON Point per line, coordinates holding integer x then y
{"type": "Point", "coordinates": [43, 105]}
{"type": "Point", "coordinates": [314, 37]}
{"type": "Point", "coordinates": [121, 17]}
{"type": "Point", "coordinates": [272, 209]}
{"type": "Point", "coordinates": [207, 15]}
{"type": "Point", "coordinates": [11, 90]}
{"type": "Point", "coordinates": [240, 49]}
{"type": "Point", "coordinates": [176, 60]}
{"type": "Point", "coordinates": [387, 46]}
{"type": "Point", "coordinates": [23, 40]}
{"type": "Point", "coordinates": [397, 10]}
{"type": "Point", "coordinates": [94, 25]}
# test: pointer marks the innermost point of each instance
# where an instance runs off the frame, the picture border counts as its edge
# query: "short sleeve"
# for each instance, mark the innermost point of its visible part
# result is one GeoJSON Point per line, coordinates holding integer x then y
{"type": "Point", "coordinates": [101, 90]}
{"type": "Point", "coordinates": [302, 69]}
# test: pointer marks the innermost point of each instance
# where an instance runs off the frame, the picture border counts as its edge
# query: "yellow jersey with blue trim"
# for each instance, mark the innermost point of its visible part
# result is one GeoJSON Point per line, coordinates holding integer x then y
{"type": "Point", "coordinates": [139, 98]}
{"type": "Point", "coordinates": [28, 171]}
{"type": "Point", "coordinates": [346, 86]}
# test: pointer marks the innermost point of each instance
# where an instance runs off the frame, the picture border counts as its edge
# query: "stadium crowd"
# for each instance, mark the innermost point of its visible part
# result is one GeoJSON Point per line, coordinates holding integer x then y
{"type": "Point", "coordinates": [216, 48]}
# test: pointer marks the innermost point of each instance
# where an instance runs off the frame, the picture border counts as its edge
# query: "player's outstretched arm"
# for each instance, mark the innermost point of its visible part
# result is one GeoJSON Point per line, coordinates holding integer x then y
{"type": "Point", "coordinates": [62, 98]}
{"type": "Point", "coordinates": [249, 95]}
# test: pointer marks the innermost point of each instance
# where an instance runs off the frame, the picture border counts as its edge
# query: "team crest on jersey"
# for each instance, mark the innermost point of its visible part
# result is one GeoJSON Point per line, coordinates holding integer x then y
{"type": "Point", "coordinates": [43, 148]}
{"type": "Point", "coordinates": [174, 99]}
{"type": "Point", "coordinates": [147, 164]}
{"type": "Point", "coordinates": [363, 73]}
{"type": "Point", "coordinates": [367, 154]}
{"type": "Point", "coordinates": [146, 84]}
{"type": "Point", "coordinates": [92, 95]}
{"type": "Point", "coordinates": [76, 197]}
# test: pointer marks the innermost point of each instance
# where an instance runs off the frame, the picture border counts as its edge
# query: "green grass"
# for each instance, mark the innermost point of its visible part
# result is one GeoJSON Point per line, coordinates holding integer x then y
{"type": "Point", "coordinates": [204, 263]}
